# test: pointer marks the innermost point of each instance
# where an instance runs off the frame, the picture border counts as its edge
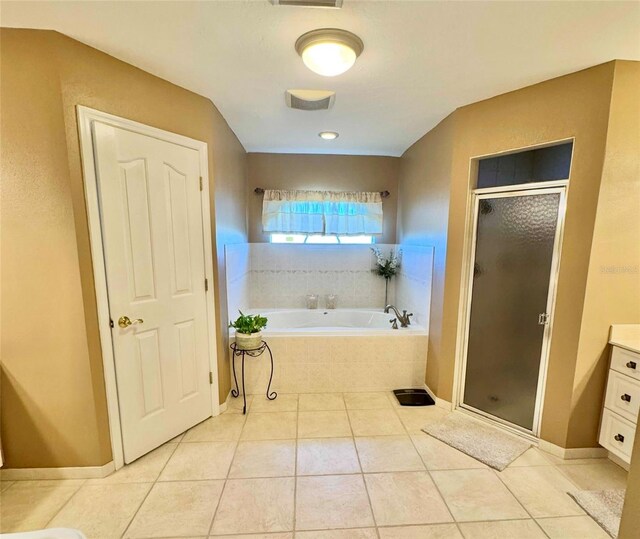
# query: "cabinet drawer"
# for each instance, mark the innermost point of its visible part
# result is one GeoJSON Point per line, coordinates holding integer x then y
{"type": "Point", "coordinates": [617, 434]}
{"type": "Point", "coordinates": [623, 396]}
{"type": "Point", "coordinates": [625, 362]}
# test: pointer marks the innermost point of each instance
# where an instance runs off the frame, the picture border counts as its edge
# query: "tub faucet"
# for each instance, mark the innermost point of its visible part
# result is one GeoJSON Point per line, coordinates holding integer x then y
{"type": "Point", "coordinates": [403, 318]}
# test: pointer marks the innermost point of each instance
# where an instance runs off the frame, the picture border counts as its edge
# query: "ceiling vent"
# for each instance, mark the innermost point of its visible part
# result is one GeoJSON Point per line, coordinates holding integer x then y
{"type": "Point", "coordinates": [308, 3]}
{"type": "Point", "coordinates": [309, 99]}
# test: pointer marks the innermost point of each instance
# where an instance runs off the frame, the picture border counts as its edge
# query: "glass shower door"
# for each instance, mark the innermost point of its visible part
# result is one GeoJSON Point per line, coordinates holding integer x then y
{"type": "Point", "coordinates": [514, 248]}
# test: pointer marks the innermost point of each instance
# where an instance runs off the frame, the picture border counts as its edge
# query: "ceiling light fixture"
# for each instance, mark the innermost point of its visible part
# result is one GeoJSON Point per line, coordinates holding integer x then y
{"type": "Point", "coordinates": [329, 51]}
{"type": "Point", "coordinates": [328, 135]}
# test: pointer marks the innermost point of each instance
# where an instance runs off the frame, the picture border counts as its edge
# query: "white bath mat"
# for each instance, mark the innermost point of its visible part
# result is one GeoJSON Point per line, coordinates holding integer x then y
{"type": "Point", "coordinates": [603, 506]}
{"type": "Point", "coordinates": [483, 442]}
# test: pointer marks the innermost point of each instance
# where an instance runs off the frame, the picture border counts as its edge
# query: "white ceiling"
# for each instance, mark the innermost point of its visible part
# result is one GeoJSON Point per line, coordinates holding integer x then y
{"type": "Point", "coordinates": [421, 59]}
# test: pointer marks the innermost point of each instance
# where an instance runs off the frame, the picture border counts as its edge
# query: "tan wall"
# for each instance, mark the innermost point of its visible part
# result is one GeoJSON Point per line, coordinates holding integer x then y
{"type": "Point", "coordinates": [613, 284]}
{"type": "Point", "coordinates": [53, 398]}
{"type": "Point", "coordinates": [575, 105]}
{"type": "Point", "coordinates": [332, 172]}
{"type": "Point", "coordinates": [423, 213]}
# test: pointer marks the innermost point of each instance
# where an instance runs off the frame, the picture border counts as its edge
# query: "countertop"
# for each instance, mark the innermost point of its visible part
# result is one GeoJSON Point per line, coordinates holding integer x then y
{"type": "Point", "coordinates": [625, 336]}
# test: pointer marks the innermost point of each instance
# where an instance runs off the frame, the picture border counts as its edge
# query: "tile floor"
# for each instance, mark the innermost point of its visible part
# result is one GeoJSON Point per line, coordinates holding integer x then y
{"type": "Point", "coordinates": [332, 466]}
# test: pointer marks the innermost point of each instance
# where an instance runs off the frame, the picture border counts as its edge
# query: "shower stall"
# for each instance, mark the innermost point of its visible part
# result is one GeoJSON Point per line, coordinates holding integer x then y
{"type": "Point", "coordinates": [514, 255]}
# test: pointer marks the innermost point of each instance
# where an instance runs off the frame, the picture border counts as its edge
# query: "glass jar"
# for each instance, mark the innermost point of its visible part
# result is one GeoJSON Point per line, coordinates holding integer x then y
{"type": "Point", "coordinates": [312, 301]}
{"type": "Point", "coordinates": [331, 301]}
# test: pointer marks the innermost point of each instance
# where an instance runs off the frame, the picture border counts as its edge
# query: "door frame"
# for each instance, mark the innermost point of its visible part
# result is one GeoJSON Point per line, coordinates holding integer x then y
{"type": "Point", "coordinates": [86, 117]}
{"type": "Point", "coordinates": [467, 292]}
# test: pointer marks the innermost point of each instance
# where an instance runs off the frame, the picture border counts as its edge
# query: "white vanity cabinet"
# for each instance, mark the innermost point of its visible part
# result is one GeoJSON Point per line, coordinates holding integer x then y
{"type": "Point", "coordinates": [621, 403]}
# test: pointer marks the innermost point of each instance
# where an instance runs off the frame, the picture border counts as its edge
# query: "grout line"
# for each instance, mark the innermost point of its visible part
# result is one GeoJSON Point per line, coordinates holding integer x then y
{"type": "Point", "coordinates": [153, 484]}
{"type": "Point", "coordinates": [444, 500]}
{"type": "Point", "coordinates": [366, 488]}
{"type": "Point", "coordinates": [517, 499]}
{"type": "Point", "coordinates": [295, 471]}
{"type": "Point", "coordinates": [63, 505]}
{"type": "Point", "coordinates": [226, 479]}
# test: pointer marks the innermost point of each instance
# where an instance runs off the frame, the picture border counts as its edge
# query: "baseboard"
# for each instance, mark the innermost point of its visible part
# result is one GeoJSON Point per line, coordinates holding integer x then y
{"type": "Point", "coordinates": [572, 453]}
{"type": "Point", "coordinates": [78, 472]}
{"type": "Point", "coordinates": [440, 403]}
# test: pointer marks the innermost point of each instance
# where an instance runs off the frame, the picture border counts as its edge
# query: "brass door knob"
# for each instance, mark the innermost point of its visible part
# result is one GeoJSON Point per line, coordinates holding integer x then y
{"type": "Point", "coordinates": [125, 321]}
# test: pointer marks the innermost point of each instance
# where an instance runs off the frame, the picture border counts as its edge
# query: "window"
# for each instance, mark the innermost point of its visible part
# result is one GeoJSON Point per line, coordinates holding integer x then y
{"type": "Point", "coordinates": [540, 165]}
{"type": "Point", "coordinates": [321, 239]}
{"type": "Point", "coordinates": [322, 213]}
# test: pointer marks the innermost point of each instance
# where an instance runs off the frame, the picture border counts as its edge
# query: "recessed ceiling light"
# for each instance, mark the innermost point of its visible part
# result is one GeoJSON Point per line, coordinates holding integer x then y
{"type": "Point", "coordinates": [328, 135]}
{"type": "Point", "coordinates": [329, 51]}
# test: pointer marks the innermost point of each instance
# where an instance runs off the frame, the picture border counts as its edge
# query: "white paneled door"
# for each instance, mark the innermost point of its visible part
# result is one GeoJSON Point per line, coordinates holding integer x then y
{"type": "Point", "coordinates": [153, 240]}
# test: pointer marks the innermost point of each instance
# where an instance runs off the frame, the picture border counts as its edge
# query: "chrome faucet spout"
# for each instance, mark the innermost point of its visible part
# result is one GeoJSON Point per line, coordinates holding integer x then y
{"type": "Point", "coordinates": [402, 318]}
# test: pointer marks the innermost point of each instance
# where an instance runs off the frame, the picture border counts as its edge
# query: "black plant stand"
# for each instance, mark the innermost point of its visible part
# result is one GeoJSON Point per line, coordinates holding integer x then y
{"type": "Point", "coordinates": [254, 352]}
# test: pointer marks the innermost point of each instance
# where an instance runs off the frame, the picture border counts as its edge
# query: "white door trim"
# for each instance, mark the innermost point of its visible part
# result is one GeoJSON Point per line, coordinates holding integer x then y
{"type": "Point", "coordinates": [86, 117]}
{"type": "Point", "coordinates": [467, 287]}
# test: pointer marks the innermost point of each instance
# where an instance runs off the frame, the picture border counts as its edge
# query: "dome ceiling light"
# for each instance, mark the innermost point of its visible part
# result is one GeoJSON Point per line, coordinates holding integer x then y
{"type": "Point", "coordinates": [329, 51]}
{"type": "Point", "coordinates": [328, 135]}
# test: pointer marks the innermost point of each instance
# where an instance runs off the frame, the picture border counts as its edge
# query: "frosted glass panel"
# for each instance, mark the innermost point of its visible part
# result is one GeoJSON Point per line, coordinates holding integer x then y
{"type": "Point", "coordinates": [514, 249]}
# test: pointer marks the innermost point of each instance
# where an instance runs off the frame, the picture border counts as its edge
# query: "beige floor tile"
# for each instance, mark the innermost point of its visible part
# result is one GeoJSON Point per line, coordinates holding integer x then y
{"type": "Point", "coordinates": [388, 454]}
{"type": "Point", "coordinates": [431, 531]}
{"type": "Point", "coordinates": [49, 483]}
{"type": "Point", "coordinates": [222, 428]}
{"type": "Point", "coordinates": [330, 424]}
{"type": "Point", "coordinates": [542, 491]}
{"type": "Point", "coordinates": [332, 501]}
{"type": "Point", "coordinates": [199, 460]}
{"type": "Point", "coordinates": [264, 458]}
{"type": "Point", "coordinates": [477, 495]}
{"type": "Point", "coordinates": [255, 506]}
{"type": "Point", "coordinates": [367, 401]}
{"type": "Point", "coordinates": [321, 401]}
{"type": "Point", "coordinates": [144, 470]}
{"type": "Point", "coordinates": [286, 535]}
{"type": "Point", "coordinates": [177, 439]}
{"type": "Point", "coordinates": [321, 456]}
{"type": "Point", "coordinates": [270, 426]}
{"type": "Point", "coordinates": [520, 529]}
{"type": "Point", "coordinates": [439, 456]}
{"type": "Point", "coordinates": [235, 404]}
{"type": "Point", "coordinates": [23, 509]}
{"type": "Point", "coordinates": [366, 533]}
{"type": "Point", "coordinates": [4, 485]}
{"type": "Point", "coordinates": [415, 419]}
{"type": "Point", "coordinates": [375, 422]}
{"type": "Point", "coordinates": [178, 508]}
{"type": "Point", "coordinates": [531, 457]}
{"type": "Point", "coordinates": [600, 476]}
{"type": "Point", "coordinates": [572, 528]}
{"type": "Point", "coordinates": [286, 402]}
{"type": "Point", "coordinates": [405, 498]}
{"type": "Point", "coordinates": [102, 510]}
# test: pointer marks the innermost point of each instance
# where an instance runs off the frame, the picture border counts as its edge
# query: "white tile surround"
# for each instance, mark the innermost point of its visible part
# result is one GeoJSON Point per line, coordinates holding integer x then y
{"type": "Point", "coordinates": [264, 275]}
{"type": "Point", "coordinates": [267, 276]}
{"type": "Point", "coordinates": [322, 364]}
{"type": "Point", "coordinates": [282, 275]}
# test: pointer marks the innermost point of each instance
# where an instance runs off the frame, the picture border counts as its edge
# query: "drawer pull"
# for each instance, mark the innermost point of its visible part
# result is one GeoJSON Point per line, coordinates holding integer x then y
{"type": "Point", "coordinates": [619, 438]}
{"type": "Point", "coordinates": [632, 365]}
{"type": "Point", "coordinates": [626, 397]}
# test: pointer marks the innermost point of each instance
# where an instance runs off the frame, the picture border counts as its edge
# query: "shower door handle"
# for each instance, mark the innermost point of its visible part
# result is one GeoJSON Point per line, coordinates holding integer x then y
{"type": "Point", "coordinates": [543, 319]}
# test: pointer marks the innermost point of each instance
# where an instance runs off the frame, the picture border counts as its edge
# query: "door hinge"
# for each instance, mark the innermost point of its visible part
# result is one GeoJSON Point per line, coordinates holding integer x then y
{"type": "Point", "coordinates": [543, 319]}
{"type": "Point", "coordinates": [200, 183]}
{"type": "Point", "coordinates": [210, 377]}
{"type": "Point", "coordinates": [206, 285]}
{"type": "Point", "coordinates": [111, 324]}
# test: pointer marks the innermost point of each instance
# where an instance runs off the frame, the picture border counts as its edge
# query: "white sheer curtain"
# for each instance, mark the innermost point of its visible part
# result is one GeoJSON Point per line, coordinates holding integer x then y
{"type": "Point", "coordinates": [322, 212]}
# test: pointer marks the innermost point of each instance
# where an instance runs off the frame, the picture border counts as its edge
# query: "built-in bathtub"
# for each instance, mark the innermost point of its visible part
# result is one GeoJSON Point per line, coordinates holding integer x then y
{"type": "Point", "coordinates": [337, 351]}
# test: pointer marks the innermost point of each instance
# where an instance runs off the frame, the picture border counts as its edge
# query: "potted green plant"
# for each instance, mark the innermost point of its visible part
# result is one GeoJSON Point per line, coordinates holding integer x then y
{"type": "Point", "coordinates": [248, 330]}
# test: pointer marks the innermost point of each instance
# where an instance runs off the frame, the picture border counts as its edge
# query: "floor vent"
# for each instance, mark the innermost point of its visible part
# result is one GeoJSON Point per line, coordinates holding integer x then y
{"type": "Point", "coordinates": [308, 3]}
{"type": "Point", "coordinates": [309, 99]}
